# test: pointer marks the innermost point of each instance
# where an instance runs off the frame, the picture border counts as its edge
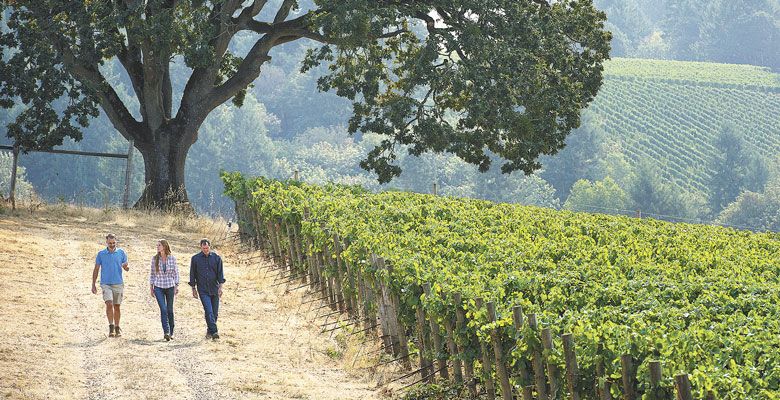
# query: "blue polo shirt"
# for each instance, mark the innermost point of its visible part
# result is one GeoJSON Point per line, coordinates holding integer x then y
{"type": "Point", "coordinates": [111, 266]}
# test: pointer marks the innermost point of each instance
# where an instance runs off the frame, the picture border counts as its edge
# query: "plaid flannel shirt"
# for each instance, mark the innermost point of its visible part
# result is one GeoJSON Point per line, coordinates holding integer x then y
{"type": "Point", "coordinates": [167, 277]}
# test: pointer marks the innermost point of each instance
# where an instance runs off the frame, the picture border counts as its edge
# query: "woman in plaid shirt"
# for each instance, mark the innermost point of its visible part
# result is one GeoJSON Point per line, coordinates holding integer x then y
{"type": "Point", "coordinates": [164, 284]}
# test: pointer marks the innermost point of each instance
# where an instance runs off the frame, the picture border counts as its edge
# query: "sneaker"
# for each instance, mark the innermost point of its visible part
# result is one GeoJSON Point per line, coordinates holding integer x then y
{"type": "Point", "coordinates": [208, 336]}
{"type": "Point", "coordinates": [111, 331]}
{"type": "Point", "coordinates": [117, 331]}
{"type": "Point", "coordinates": [215, 336]}
{"type": "Point", "coordinates": [167, 337]}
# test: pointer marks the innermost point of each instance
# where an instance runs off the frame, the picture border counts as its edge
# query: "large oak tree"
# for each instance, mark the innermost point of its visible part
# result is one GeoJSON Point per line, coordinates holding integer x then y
{"type": "Point", "coordinates": [476, 78]}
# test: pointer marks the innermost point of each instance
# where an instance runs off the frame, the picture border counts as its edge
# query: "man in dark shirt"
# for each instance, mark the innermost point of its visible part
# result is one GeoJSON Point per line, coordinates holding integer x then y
{"type": "Point", "coordinates": [206, 279]}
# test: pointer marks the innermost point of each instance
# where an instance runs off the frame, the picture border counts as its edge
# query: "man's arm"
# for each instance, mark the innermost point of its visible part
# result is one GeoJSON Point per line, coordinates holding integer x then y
{"type": "Point", "coordinates": [220, 276]}
{"type": "Point", "coordinates": [94, 278]}
{"type": "Point", "coordinates": [125, 266]}
{"type": "Point", "coordinates": [193, 277]}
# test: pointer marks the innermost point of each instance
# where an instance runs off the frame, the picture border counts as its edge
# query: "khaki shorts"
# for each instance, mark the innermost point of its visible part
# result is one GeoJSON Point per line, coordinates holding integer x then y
{"type": "Point", "coordinates": [113, 293]}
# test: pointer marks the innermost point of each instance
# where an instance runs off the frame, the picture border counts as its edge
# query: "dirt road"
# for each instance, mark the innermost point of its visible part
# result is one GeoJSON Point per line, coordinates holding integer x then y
{"type": "Point", "coordinates": [54, 336]}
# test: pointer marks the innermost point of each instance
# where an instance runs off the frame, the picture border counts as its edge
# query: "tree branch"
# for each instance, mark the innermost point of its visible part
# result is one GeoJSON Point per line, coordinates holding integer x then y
{"type": "Point", "coordinates": [284, 11]}
{"type": "Point", "coordinates": [115, 109]}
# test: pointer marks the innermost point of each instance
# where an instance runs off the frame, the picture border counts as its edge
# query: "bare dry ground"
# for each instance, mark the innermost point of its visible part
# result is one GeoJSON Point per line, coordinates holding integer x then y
{"type": "Point", "coordinates": [54, 337]}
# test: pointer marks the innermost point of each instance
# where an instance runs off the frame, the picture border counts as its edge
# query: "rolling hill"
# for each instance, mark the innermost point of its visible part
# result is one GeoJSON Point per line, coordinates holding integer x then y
{"type": "Point", "coordinates": [670, 112]}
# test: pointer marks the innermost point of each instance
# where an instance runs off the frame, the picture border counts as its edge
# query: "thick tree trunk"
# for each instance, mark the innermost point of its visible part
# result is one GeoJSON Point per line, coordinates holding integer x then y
{"type": "Point", "coordinates": [164, 167]}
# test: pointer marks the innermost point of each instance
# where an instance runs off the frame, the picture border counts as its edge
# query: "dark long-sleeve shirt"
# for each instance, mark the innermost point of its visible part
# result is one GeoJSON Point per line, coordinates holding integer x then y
{"type": "Point", "coordinates": [206, 272]}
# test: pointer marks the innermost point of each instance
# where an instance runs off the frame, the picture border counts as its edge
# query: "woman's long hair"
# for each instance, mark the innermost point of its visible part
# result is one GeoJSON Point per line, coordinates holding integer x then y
{"type": "Point", "coordinates": [166, 250]}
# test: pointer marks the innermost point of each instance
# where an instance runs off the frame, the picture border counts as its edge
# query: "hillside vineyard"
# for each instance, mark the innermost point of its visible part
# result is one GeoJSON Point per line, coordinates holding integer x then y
{"type": "Point", "coordinates": [632, 293]}
{"type": "Point", "coordinates": [672, 111]}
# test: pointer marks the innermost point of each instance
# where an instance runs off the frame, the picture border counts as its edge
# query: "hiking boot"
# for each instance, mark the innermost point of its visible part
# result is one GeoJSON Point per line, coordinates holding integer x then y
{"type": "Point", "coordinates": [117, 331]}
{"type": "Point", "coordinates": [215, 336]}
{"type": "Point", "coordinates": [167, 337]}
{"type": "Point", "coordinates": [111, 331]}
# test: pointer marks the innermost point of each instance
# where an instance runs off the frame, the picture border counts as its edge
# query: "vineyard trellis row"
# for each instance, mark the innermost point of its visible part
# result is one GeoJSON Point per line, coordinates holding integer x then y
{"type": "Point", "coordinates": [672, 111]}
{"type": "Point", "coordinates": [458, 285]}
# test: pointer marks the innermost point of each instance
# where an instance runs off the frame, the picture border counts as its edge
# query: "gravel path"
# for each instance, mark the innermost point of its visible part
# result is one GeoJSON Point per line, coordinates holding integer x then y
{"type": "Point", "coordinates": [54, 336]}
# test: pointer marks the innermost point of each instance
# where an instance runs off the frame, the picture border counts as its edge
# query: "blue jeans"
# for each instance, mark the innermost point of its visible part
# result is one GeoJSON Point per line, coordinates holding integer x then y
{"type": "Point", "coordinates": [211, 310]}
{"type": "Point", "coordinates": [165, 301]}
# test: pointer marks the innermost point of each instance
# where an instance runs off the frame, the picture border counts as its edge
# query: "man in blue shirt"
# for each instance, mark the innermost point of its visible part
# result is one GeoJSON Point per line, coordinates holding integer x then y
{"type": "Point", "coordinates": [110, 262]}
{"type": "Point", "coordinates": [206, 279]}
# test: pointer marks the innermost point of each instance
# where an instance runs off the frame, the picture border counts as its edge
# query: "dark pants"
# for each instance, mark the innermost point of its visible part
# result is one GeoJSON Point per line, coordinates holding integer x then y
{"type": "Point", "coordinates": [211, 310]}
{"type": "Point", "coordinates": [165, 301]}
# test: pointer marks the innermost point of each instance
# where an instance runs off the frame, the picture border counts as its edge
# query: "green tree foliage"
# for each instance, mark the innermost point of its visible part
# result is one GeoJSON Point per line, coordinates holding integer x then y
{"type": "Point", "coordinates": [755, 211]}
{"type": "Point", "coordinates": [24, 189]}
{"type": "Point", "coordinates": [726, 31]}
{"type": "Point", "coordinates": [652, 196]}
{"type": "Point", "coordinates": [736, 169]}
{"type": "Point", "coordinates": [580, 159]}
{"type": "Point", "coordinates": [603, 196]}
{"type": "Point", "coordinates": [467, 77]}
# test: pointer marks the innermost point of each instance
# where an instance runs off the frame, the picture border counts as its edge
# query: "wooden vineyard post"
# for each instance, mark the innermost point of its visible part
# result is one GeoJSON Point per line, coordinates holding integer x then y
{"type": "Point", "coordinates": [426, 365]}
{"type": "Point", "coordinates": [503, 377]}
{"type": "Point", "coordinates": [334, 280]}
{"type": "Point", "coordinates": [683, 386]}
{"type": "Point", "coordinates": [525, 377]}
{"type": "Point", "coordinates": [368, 322]}
{"type": "Point", "coordinates": [258, 233]}
{"type": "Point", "coordinates": [457, 373]}
{"type": "Point", "coordinates": [572, 369]}
{"type": "Point", "coordinates": [487, 364]}
{"type": "Point", "coordinates": [327, 287]}
{"type": "Point", "coordinates": [710, 395]}
{"type": "Point", "coordinates": [391, 313]}
{"type": "Point", "coordinates": [299, 252]}
{"type": "Point", "coordinates": [275, 253]}
{"type": "Point", "coordinates": [344, 304]}
{"type": "Point", "coordinates": [602, 383]}
{"type": "Point", "coordinates": [441, 363]}
{"type": "Point", "coordinates": [629, 385]}
{"type": "Point", "coordinates": [395, 303]}
{"type": "Point", "coordinates": [282, 251]}
{"type": "Point", "coordinates": [537, 362]}
{"type": "Point", "coordinates": [552, 369]}
{"type": "Point", "coordinates": [352, 293]}
{"type": "Point", "coordinates": [468, 363]}
{"type": "Point", "coordinates": [655, 380]}
{"type": "Point", "coordinates": [388, 342]}
{"type": "Point", "coordinates": [291, 249]}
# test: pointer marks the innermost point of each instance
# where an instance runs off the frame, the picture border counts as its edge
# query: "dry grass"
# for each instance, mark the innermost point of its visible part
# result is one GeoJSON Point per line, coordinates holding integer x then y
{"type": "Point", "coordinates": [54, 340]}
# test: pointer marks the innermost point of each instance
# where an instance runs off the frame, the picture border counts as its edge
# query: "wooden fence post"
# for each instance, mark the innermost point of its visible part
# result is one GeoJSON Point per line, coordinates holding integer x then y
{"type": "Point", "coordinates": [441, 359]}
{"type": "Point", "coordinates": [14, 165]}
{"type": "Point", "coordinates": [603, 390]}
{"type": "Point", "coordinates": [468, 363]}
{"type": "Point", "coordinates": [525, 377]}
{"type": "Point", "coordinates": [334, 279]}
{"type": "Point", "coordinates": [426, 365]}
{"type": "Point", "coordinates": [503, 377]}
{"type": "Point", "coordinates": [487, 364]}
{"type": "Point", "coordinates": [629, 377]}
{"type": "Point", "coordinates": [302, 258]}
{"type": "Point", "coordinates": [128, 175]}
{"type": "Point", "coordinates": [457, 372]}
{"type": "Point", "coordinates": [552, 369]}
{"type": "Point", "coordinates": [683, 386]}
{"type": "Point", "coordinates": [572, 369]}
{"type": "Point", "coordinates": [391, 313]}
{"type": "Point", "coordinates": [537, 362]}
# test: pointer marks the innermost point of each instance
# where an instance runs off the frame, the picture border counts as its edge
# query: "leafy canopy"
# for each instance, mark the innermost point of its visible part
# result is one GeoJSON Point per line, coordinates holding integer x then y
{"type": "Point", "coordinates": [474, 78]}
